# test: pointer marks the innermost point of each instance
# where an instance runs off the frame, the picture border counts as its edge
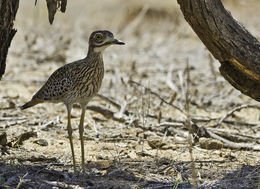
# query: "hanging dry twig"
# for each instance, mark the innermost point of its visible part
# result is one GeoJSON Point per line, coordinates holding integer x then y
{"type": "Point", "coordinates": [53, 6]}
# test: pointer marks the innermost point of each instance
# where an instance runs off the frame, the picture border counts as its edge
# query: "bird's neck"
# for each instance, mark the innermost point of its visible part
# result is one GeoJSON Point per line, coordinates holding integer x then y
{"type": "Point", "coordinates": [94, 57]}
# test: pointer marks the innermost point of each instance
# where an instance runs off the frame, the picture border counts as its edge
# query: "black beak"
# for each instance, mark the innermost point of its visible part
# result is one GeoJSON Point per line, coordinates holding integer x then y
{"type": "Point", "coordinates": [117, 42]}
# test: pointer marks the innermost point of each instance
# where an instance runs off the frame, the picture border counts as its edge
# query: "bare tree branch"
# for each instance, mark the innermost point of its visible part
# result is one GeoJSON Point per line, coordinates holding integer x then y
{"type": "Point", "coordinates": [229, 42]}
{"type": "Point", "coordinates": [8, 11]}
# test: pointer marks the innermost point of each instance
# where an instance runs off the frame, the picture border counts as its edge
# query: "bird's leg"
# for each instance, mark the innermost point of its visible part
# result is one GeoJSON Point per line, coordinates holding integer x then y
{"type": "Point", "coordinates": [81, 131]}
{"type": "Point", "coordinates": [70, 137]}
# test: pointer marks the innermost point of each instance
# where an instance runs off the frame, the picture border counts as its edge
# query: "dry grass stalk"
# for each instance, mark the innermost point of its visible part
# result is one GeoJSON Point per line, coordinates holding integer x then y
{"type": "Point", "coordinates": [157, 95]}
{"type": "Point", "coordinates": [189, 125]}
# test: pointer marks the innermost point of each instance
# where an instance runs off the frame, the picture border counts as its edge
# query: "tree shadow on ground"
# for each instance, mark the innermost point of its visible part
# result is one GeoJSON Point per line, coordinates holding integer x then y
{"type": "Point", "coordinates": [21, 171]}
{"type": "Point", "coordinates": [246, 177]}
{"type": "Point", "coordinates": [47, 173]}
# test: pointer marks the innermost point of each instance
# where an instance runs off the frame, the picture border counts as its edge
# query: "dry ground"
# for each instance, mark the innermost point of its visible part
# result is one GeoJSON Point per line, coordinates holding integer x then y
{"type": "Point", "coordinates": [136, 152]}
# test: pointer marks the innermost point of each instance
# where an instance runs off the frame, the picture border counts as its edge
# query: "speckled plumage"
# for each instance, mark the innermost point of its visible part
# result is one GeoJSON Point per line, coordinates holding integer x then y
{"type": "Point", "coordinates": [77, 82]}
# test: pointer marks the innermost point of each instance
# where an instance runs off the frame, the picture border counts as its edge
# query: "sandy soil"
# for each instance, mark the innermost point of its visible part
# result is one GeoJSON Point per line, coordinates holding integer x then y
{"type": "Point", "coordinates": [140, 151]}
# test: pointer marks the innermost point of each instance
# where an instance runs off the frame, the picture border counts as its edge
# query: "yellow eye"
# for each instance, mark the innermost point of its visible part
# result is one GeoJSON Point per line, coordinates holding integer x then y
{"type": "Point", "coordinates": [98, 37]}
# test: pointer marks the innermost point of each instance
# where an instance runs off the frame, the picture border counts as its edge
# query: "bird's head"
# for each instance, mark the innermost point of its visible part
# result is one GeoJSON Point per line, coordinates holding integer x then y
{"type": "Point", "coordinates": [99, 40]}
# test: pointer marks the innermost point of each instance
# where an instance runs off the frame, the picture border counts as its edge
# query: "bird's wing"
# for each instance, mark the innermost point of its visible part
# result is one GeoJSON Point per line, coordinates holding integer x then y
{"type": "Point", "coordinates": [58, 84]}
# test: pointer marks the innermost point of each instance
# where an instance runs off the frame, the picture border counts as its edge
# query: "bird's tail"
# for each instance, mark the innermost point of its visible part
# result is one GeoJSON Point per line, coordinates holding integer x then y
{"type": "Point", "coordinates": [31, 103]}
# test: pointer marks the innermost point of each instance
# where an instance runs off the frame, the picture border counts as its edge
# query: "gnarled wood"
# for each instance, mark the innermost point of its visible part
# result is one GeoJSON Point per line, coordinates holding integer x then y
{"type": "Point", "coordinates": [229, 42]}
{"type": "Point", "coordinates": [8, 11]}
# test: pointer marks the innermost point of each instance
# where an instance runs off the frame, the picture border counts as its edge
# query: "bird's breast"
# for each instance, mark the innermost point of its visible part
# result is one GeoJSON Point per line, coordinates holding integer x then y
{"type": "Point", "coordinates": [87, 83]}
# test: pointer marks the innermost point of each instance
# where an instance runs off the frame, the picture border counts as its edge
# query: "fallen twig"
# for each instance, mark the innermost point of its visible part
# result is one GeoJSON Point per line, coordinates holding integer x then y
{"type": "Point", "coordinates": [240, 140]}
{"type": "Point", "coordinates": [22, 179]}
{"type": "Point", "coordinates": [235, 137]}
{"type": "Point", "coordinates": [23, 137]}
{"type": "Point", "coordinates": [12, 123]}
{"type": "Point", "coordinates": [233, 145]}
{"type": "Point", "coordinates": [179, 132]}
{"type": "Point", "coordinates": [123, 108]}
{"type": "Point", "coordinates": [60, 184]}
{"type": "Point", "coordinates": [209, 119]}
{"type": "Point", "coordinates": [109, 100]}
{"type": "Point", "coordinates": [106, 113]}
{"type": "Point", "coordinates": [12, 118]}
{"type": "Point", "coordinates": [157, 95]}
{"type": "Point", "coordinates": [241, 123]}
{"type": "Point", "coordinates": [171, 124]}
{"type": "Point", "coordinates": [229, 113]}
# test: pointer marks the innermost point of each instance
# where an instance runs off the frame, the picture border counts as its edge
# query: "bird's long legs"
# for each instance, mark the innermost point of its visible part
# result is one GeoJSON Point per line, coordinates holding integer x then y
{"type": "Point", "coordinates": [70, 137]}
{"type": "Point", "coordinates": [81, 130]}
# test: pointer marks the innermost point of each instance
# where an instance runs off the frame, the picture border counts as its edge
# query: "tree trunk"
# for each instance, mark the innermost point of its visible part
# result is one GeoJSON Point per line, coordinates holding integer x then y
{"type": "Point", "coordinates": [229, 42]}
{"type": "Point", "coordinates": [8, 9]}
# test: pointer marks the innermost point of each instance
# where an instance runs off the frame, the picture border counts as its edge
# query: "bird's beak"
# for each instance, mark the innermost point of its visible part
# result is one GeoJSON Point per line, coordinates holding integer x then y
{"type": "Point", "coordinates": [117, 42]}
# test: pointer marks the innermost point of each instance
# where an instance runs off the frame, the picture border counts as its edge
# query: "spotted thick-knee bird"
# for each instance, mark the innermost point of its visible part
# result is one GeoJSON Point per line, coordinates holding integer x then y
{"type": "Point", "coordinates": [77, 82]}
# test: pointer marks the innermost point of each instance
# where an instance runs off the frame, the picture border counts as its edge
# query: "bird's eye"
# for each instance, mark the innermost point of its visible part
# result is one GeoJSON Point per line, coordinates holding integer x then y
{"type": "Point", "coordinates": [98, 37]}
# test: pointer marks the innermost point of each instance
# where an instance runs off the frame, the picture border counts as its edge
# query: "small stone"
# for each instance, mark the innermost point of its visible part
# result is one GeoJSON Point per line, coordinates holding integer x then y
{"type": "Point", "coordinates": [156, 142]}
{"type": "Point", "coordinates": [23, 137]}
{"type": "Point", "coordinates": [210, 144]}
{"type": "Point", "coordinates": [3, 139]}
{"type": "Point", "coordinates": [41, 142]}
{"type": "Point", "coordinates": [12, 105]}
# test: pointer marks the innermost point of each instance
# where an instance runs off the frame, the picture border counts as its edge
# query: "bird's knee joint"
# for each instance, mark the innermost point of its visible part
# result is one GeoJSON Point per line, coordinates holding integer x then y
{"type": "Point", "coordinates": [69, 131]}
